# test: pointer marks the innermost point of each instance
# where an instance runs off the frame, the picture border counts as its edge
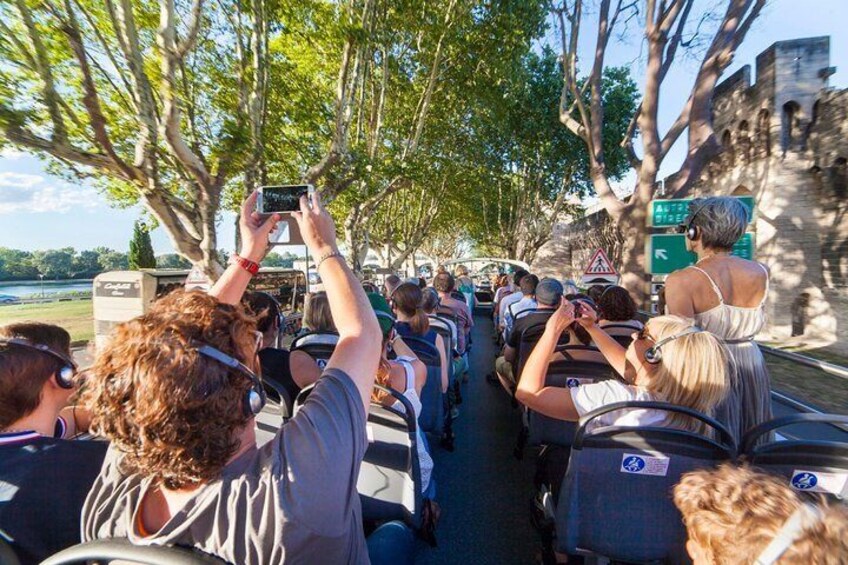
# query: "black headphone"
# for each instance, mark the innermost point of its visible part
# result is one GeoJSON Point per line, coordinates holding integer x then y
{"type": "Point", "coordinates": [255, 398]}
{"type": "Point", "coordinates": [653, 355]}
{"type": "Point", "coordinates": [690, 229]}
{"type": "Point", "coordinates": [68, 369]}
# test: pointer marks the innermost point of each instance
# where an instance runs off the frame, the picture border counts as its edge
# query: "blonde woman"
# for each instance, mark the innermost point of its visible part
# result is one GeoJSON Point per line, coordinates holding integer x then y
{"type": "Point", "coordinates": [670, 360]}
{"type": "Point", "coordinates": [735, 516]}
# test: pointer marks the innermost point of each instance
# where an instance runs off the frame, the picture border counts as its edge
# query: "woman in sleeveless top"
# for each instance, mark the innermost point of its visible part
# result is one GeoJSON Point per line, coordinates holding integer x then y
{"type": "Point", "coordinates": [726, 296]}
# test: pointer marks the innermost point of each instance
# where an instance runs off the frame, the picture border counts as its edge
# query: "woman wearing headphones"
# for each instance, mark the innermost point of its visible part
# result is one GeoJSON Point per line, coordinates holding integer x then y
{"type": "Point", "coordinates": [670, 360]}
{"type": "Point", "coordinates": [726, 296]}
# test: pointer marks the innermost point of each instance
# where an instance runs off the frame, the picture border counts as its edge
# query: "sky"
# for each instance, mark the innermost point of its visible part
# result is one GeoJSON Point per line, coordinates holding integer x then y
{"type": "Point", "coordinates": [38, 211]}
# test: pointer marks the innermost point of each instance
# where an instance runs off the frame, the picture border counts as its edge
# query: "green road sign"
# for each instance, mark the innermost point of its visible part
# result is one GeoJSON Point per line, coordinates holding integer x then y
{"type": "Point", "coordinates": [671, 213]}
{"type": "Point", "coordinates": [667, 252]}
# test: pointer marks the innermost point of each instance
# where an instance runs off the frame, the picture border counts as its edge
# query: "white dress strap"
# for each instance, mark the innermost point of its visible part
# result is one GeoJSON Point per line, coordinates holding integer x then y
{"type": "Point", "coordinates": [712, 283]}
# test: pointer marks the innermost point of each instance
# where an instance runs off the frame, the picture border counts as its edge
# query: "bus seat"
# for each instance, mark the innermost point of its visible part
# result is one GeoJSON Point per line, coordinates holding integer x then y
{"type": "Point", "coordinates": [616, 497]}
{"type": "Point", "coordinates": [581, 365]}
{"type": "Point", "coordinates": [319, 346]}
{"type": "Point", "coordinates": [622, 332]}
{"type": "Point", "coordinates": [484, 296]}
{"type": "Point", "coordinates": [819, 466]}
{"type": "Point", "coordinates": [456, 295]}
{"type": "Point", "coordinates": [120, 549]}
{"type": "Point", "coordinates": [7, 554]}
{"type": "Point", "coordinates": [432, 403]}
{"type": "Point", "coordinates": [447, 330]}
{"type": "Point", "coordinates": [389, 482]}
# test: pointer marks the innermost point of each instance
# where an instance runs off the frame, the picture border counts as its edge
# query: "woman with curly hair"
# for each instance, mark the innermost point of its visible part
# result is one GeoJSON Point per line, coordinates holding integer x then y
{"type": "Point", "coordinates": [176, 392]}
{"type": "Point", "coordinates": [735, 516]}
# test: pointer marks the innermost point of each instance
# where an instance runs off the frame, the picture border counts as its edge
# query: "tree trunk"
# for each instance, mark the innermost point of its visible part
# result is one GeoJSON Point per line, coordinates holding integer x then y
{"type": "Point", "coordinates": [633, 259]}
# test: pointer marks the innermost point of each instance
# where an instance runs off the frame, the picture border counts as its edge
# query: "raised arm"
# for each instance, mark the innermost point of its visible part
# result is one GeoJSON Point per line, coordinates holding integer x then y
{"type": "Point", "coordinates": [254, 245]}
{"type": "Point", "coordinates": [358, 350]}
{"type": "Point", "coordinates": [555, 402]}
{"type": "Point", "coordinates": [613, 351]}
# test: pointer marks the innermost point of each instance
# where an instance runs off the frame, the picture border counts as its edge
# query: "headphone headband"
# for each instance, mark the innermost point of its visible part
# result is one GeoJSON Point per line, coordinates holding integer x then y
{"type": "Point", "coordinates": [653, 354]}
{"type": "Point", "coordinates": [255, 399]}
{"type": "Point", "coordinates": [67, 371]}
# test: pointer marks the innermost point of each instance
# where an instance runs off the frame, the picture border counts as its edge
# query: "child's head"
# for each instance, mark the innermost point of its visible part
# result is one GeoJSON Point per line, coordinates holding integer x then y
{"type": "Point", "coordinates": [733, 513]}
{"type": "Point", "coordinates": [28, 375]}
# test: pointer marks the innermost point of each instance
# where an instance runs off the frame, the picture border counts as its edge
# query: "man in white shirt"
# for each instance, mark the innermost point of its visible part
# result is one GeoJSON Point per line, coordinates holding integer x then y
{"type": "Point", "coordinates": [526, 302]}
{"type": "Point", "coordinates": [511, 298]}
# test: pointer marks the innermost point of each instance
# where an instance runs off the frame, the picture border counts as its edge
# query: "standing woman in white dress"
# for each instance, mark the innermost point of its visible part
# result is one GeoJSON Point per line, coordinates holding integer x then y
{"type": "Point", "coordinates": [726, 296]}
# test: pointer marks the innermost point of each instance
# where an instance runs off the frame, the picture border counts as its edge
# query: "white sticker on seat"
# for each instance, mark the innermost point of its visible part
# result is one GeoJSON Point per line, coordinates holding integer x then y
{"type": "Point", "coordinates": [369, 432]}
{"type": "Point", "coordinates": [574, 382]}
{"type": "Point", "coordinates": [644, 465]}
{"type": "Point", "coordinates": [818, 481]}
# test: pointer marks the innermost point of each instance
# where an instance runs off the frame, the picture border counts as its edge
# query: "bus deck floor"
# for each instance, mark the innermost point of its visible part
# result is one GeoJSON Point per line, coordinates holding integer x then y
{"type": "Point", "coordinates": [485, 493]}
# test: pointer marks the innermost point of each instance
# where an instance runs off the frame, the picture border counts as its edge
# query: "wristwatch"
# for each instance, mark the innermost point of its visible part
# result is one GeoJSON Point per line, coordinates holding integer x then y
{"type": "Point", "coordinates": [246, 264]}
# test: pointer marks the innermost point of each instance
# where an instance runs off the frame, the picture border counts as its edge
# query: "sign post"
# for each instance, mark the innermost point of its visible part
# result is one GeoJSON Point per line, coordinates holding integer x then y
{"type": "Point", "coordinates": [672, 213]}
{"type": "Point", "coordinates": [667, 253]}
{"type": "Point", "coordinates": [600, 270]}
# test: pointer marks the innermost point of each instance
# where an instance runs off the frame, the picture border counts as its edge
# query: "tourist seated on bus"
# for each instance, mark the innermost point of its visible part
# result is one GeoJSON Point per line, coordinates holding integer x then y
{"type": "Point", "coordinates": [431, 303]}
{"type": "Point", "coordinates": [548, 299]}
{"type": "Point", "coordinates": [502, 287]}
{"type": "Point", "coordinates": [44, 476]}
{"type": "Point", "coordinates": [276, 362]}
{"type": "Point", "coordinates": [407, 375]}
{"type": "Point", "coordinates": [407, 302]}
{"type": "Point", "coordinates": [595, 291]}
{"type": "Point", "coordinates": [444, 284]}
{"type": "Point", "coordinates": [616, 306]}
{"type": "Point", "coordinates": [317, 316]}
{"type": "Point", "coordinates": [528, 302]}
{"type": "Point", "coordinates": [175, 391]}
{"type": "Point", "coordinates": [735, 516]}
{"type": "Point", "coordinates": [569, 288]}
{"type": "Point", "coordinates": [509, 299]}
{"type": "Point", "coordinates": [689, 369]}
{"type": "Point", "coordinates": [390, 284]}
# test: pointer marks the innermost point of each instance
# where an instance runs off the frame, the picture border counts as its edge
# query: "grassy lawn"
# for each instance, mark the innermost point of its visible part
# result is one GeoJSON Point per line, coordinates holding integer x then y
{"type": "Point", "coordinates": [75, 316]}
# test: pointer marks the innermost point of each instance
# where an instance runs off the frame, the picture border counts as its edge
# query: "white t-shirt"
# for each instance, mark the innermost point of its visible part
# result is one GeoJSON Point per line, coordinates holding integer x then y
{"type": "Point", "coordinates": [506, 301]}
{"type": "Point", "coordinates": [593, 396]}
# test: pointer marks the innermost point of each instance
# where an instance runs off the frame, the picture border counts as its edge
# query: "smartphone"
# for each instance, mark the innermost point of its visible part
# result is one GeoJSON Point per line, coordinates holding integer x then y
{"type": "Point", "coordinates": [282, 198]}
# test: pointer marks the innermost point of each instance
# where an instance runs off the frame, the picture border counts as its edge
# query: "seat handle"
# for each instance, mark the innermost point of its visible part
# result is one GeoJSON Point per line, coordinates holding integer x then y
{"type": "Point", "coordinates": [725, 438]}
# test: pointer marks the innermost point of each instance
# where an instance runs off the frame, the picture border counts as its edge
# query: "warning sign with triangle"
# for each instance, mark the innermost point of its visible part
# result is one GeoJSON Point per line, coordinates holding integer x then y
{"type": "Point", "coordinates": [600, 264]}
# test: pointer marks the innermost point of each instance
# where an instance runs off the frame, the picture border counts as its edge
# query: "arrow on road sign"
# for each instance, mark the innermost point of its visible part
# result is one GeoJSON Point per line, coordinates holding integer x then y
{"type": "Point", "coordinates": [660, 254]}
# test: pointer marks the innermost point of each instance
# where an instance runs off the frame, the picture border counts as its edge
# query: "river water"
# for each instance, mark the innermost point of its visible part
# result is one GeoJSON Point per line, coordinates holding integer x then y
{"type": "Point", "coordinates": [33, 288]}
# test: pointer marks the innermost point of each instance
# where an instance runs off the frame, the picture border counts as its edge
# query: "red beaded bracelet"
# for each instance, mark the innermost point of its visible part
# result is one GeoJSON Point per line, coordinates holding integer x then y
{"type": "Point", "coordinates": [246, 264]}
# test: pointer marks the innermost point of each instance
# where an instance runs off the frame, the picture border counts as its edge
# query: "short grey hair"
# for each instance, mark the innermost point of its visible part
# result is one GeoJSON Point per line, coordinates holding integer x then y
{"type": "Point", "coordinates": [721, 220]}
{"type": "Point", "coordinates": [569, 287]}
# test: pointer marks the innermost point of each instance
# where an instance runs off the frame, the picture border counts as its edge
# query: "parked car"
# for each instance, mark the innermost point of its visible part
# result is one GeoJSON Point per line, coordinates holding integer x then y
{"type": "Point", "coordinates": [8, 299]}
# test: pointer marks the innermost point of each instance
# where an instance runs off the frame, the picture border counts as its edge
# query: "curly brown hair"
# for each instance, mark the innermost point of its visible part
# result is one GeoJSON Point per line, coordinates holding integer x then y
{"type": "Point", "coordinates": [616, 304]}
{"type": "Point", "coordinates": [733, 513]}
{"type": "Point", "coordinates": [172, 412]}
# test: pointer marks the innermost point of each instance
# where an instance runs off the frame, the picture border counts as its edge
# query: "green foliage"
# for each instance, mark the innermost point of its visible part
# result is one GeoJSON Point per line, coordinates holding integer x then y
{"type": "Point", "coordinates": [17, 265]}
{"type": "Point", "coordinates": [141, 254]}
{"type": "Point", "coordinates": [274, 259]}
{"type": "Point", "coordinates": [172, 261]}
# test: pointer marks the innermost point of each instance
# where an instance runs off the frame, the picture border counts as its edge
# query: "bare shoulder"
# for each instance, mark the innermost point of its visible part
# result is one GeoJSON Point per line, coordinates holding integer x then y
{"type": "Point", "coordinates": [683, 277]}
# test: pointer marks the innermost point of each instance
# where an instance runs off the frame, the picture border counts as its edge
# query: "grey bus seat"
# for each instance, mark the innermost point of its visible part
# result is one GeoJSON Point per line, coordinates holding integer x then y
{"type": "Point", "coordinates": [432, 401]}
{"type": "Point", "coordinates": [622, 332]}
{"type": "Point", "coordinates": [447, 330]}
{"type": "Point", "coordinates": [319, 346]}
{"type": "Point", "coordinates": [811, 466]}
{"type": "Point", "coordinates": [389, 482]}
{"type": "Point", "coordinates": [121, 550]}
{"type": "Point", "coordinates": [580, 365]}
{"type": "Point", "coordinates": [616, 497]}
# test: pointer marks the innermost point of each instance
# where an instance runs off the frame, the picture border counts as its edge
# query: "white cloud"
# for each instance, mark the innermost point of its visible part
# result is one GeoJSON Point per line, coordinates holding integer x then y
{"type": "Point", "coordinates": [11, 153]}
{"type": "Point", "coordinates": [20, 192]}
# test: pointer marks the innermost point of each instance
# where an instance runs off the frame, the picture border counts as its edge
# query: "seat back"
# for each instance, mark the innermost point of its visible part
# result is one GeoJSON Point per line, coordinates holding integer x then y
{"type": "Point", "coordinates": [389, 482]}
{"type": "Point", "coordinates": [431, 419]}
{"type": "Point", "coordinates": [452, 322]}
{"type": "Point", "coordinates": [622, 332]}
{"type": "Point", "coordinates": [528, 340]}
{"type": "Point", "coordinates": [819, 465]}
{"type": "Point", "coordinates": [616, 497]}
{"type": "Point", "coordinates": [120, 549]}
{"type": "Point", "coordinates": [457, 295]}
{"type": "Point", "coordinates": [441, 327]}
{"type": "Point", "coordinates": [580, 365]}
{"type": "Point", "coordinates": [319, 346]}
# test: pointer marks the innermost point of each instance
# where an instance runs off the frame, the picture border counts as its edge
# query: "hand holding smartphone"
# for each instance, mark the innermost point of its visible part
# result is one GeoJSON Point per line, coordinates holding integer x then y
{"type": "Point", "coordinates": [282, 199]}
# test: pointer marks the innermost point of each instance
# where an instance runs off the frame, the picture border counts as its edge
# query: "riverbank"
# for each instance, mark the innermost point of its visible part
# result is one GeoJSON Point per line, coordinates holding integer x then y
{"type": "Point", "coordinates": [35, 289]}
{"type": "Point", "coordinates": [77, 317]}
